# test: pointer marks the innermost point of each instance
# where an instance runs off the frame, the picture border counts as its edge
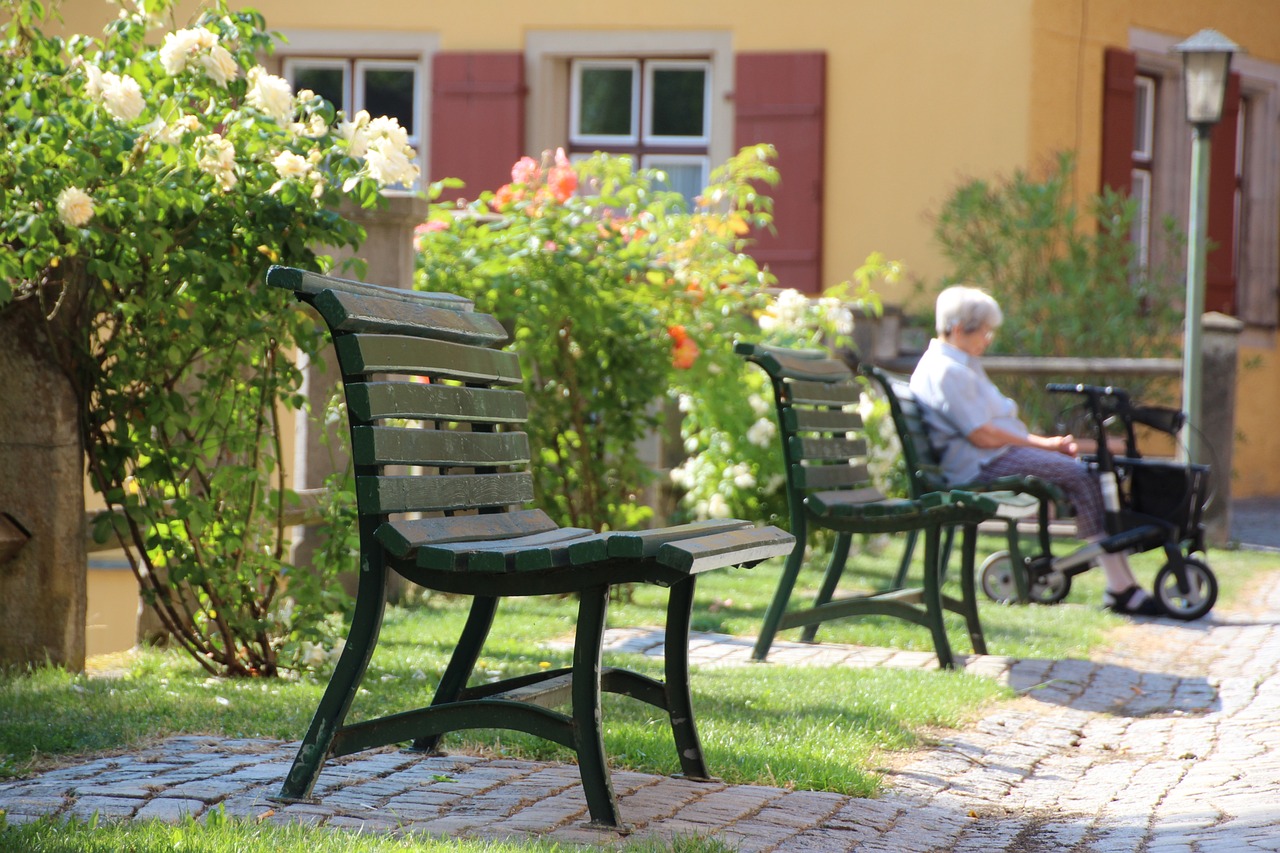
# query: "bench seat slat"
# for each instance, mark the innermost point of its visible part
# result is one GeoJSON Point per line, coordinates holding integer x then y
{"type": "Point", "coordinates": [433, 493]}
{"type": "Point", "coordinates": [742, 547]}
{"type": "Point", "coordinates": [526, 553]}
{"type": "Point", "coordinates": [367, 401]}
{"type": "Point", "coordinates": [401, 536]}
{"type": "Point", "coordinates": [364, 354]}
{"type": "Point", "coordinates": [443, 447]}
{"type": "Point", "coordinates": [358, 312]}
{"type": "Point", "coordinates": [631, 544]}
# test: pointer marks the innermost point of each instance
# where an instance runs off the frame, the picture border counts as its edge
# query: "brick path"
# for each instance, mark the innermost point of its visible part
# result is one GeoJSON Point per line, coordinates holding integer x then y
{"type": "Point", "coordinates": [1167, 742]}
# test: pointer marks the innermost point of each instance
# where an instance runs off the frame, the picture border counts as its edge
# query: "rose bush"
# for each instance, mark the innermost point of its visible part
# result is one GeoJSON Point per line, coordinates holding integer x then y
{"type": "Point", "coordinates": [621, 296]}
{"type": "Point", "coordinates": [147, 184]}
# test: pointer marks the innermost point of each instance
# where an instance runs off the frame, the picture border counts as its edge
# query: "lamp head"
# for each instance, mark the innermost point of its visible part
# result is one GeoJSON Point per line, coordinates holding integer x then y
{"type": "Point", "coordinates": [1206, 63]}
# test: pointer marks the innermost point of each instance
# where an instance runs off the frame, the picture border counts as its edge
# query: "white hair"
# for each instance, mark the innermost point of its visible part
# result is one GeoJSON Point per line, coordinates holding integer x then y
{"type": "Point", "coordinates": [967, 309]}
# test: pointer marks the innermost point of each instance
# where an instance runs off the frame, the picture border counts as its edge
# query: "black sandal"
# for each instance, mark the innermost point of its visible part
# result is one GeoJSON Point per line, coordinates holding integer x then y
{"type": "Point", "coordinates": [1125, 604]}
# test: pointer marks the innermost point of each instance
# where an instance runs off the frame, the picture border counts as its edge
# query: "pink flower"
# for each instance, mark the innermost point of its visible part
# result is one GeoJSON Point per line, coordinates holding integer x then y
{"type": "Point", "coordinates": [525, 171]}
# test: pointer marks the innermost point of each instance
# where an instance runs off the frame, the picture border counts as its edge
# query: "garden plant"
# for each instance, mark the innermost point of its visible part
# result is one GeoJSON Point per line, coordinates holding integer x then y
{"type": "Point", "coordinates": [149, 177]}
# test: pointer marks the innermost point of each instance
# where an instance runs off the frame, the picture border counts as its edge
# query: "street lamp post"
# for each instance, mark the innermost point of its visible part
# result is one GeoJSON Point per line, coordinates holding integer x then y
{"type": "Point", "coordinates": [1206, 62]}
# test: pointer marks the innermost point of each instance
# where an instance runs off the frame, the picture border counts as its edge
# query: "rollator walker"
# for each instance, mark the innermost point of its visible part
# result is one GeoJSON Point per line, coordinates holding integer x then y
{"type": "Point", "coordinates": [1149, 503]}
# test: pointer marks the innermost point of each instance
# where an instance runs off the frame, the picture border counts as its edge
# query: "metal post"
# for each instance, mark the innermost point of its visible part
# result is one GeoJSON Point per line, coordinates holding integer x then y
{"type": "Point", "coordinates": [1197, 230]}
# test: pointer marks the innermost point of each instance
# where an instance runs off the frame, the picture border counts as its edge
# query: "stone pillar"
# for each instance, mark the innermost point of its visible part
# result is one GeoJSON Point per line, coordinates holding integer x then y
{"type": "Point", "coordinates": [1221, 344]}
{"type": "Point", "coordinates": [42, 583]}
{"type": "Point", "coordinates": [388, 253]}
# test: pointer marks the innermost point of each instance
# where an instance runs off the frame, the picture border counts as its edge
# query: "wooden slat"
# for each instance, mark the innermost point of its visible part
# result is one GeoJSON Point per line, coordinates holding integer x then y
{"type": "Point", "coordinates": [787, 366]}
{"type": "Point", "coordinates": [850, 497]}
{"type": "Point", "coordinates": [442, 447]}
{"type": "Point", "coordinates": [526, 553]}
{"type": "Point", "coordinates": [828, 449]}
{"type": "Point", "coordinates": [830, 476]}
{"type": "Point", "coordinates": [638, 544]}
{"type": "Point", "coordinates": [817, 420]}
{"type": "Point", "coordinates": [438, 493]}
{"type": "Point", "coordinates": [733, 548]}
{"type": "Point", "coordinates": [367, 401]}
{"type": "Point", "coordinates": [403, 535]}
{"type": "Point", "coordinates": [359, 312]}
{"type": "Point", "coordinates": [818, 393]}
{"type": "Point", "coordinates": [362, 354]}
{"type": "Point", "coordinates": [311, 284]}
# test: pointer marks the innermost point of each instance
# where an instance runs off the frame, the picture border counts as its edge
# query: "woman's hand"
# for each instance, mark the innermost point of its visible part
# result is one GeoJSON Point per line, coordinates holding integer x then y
{"type": "Point", "coordinates": [990, 435]}
{"type": "Point", "coordinates": [1064, 444]}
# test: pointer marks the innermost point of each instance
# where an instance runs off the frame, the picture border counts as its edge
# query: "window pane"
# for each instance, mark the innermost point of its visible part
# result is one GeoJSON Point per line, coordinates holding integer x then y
{"type": "Point", "coordinates": [605, 102]}
{"type": "Point", "coordinates": [389, 92]}
{"type": "Point", "coordinates": [1144, 106]}
{"type": "Point", "coordinates": [687, 178]}
{"type": "Point", "coordinates": [679, 100]}
{"type": "Point", "coordinates": [326, 81]}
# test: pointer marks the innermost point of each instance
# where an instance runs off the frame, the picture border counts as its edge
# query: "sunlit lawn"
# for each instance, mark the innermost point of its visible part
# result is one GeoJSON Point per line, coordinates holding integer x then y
{"type": "Point", "coordinates": [814, 728]}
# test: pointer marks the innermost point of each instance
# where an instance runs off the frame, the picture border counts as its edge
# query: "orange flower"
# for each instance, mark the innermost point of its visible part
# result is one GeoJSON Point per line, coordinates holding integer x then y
{"type": "Point", "coordinates": [678, 334]}
{"type": "Point", "coordinates": [562, 180]}
{"type": "Point", "coordinates": [684, 354]}
{"type": "Point", "coordinates": [507, 195]}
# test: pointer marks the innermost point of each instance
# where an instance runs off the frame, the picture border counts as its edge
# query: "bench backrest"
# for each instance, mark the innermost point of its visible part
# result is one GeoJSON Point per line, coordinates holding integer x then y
{"type": "Point", "coordinates": [823, 444]}
{"type": "Point", "coordinates": [924, 473]}
{"type": "Point", "coordinates": [435, 409]}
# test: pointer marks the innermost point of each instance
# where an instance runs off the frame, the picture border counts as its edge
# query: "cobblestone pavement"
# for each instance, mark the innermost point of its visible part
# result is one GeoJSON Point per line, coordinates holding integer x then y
{"type": "Point", "coordinates": [1167, 742]}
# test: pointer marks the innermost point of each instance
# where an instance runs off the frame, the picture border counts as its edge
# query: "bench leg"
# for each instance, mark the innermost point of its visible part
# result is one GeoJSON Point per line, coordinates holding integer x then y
{"type": "Point", "coordinates": [463, 661]}
{"type": "Point", "coordinates": [597, 784]}
{"type": "Point", "coordinates": [366, 623]}
{"type": "Point", "coordinates": [835, 568]}
{"type": "Point", "coordinates": [777, 607]}
{"type": "Point", "coordinates": [679, 697]}
{"type": "Point", "coordinates": [933, 596]}
{"type": "Point", "coordinates": [904, 565]}
{"type": "Point", "coordinates": [969, 588]}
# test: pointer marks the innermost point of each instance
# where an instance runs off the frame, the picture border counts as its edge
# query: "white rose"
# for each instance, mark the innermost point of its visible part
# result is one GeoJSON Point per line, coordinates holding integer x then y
{"type": "Point", "coordinates": [122, 97]}
{"type": "Point", "coordinates": [717, 507]}
{"type": "Point", "coordinates": [220, 65]}
{"type": "Point", "coordinates": [75, 207]}
{"type": "Point", "coordinates": [290, 165]}
{"type": "Point", "coordinates": [385, 127]}
{"type": "Point", "coordinates": [270, 94]}
{"type": "Point", "coordinates": [175, 51]}
{"type": "Point", "coordinates": [93, 86]}
{"type": "Point", "coordinates": [389, 164]}
{"type": "Point", "coordinates": [218, 158]}
{"type": "Point", "coordinates": [355, 135]}
{"type": "Point", "coordinates": [762, 432]}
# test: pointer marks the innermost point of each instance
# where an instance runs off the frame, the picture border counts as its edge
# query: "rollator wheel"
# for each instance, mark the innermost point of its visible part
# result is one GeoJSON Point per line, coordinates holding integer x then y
{"type": "Point", "coordinates": [1047, 586]}
{"type": "Point", "coordinates": [1198, 600]}
{"type": "Point", "coordinates": [998, 579]}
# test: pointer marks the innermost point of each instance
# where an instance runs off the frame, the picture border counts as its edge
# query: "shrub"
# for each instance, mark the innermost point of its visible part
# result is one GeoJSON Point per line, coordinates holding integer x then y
{"type": "Point", "coordinates": [148, 183]}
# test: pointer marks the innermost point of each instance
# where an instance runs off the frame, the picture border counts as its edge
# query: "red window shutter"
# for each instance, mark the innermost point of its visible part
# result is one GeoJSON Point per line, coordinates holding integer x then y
{"type": "Point", "coordinates": [477, 118]}
{"type": "Point", "coordinates": [1120, 68]}
{"type": "Point", "coordinates": [781, 100]}
{"type": "Point", "coordinates": [1220, 263]}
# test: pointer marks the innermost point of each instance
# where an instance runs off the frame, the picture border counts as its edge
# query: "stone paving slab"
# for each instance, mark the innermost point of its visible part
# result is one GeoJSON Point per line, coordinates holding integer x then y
{"type": "Point", "coordinates": [1168, 742]}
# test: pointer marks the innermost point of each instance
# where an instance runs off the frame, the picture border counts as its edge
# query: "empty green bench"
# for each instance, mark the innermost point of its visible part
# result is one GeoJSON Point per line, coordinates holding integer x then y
{"type": "Point", "coordinates": [828, 487]}
{"type": "Point", "coordinates": [441, 478]}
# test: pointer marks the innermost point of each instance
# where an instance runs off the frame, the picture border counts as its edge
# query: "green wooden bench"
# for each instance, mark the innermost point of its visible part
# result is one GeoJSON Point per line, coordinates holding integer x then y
{"type": "Point", "coordinates": [441, 477]}
{"type": "Point", "coordinates": [828, 487]}
{"type": "Point", "coordinates": [1004, 575]}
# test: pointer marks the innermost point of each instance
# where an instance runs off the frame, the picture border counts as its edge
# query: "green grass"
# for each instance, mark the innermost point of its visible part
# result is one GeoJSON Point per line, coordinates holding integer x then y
{"type": "Point", "coordinates": [220, 835]}
{"type": "Point", "coordinates": [812, 728]}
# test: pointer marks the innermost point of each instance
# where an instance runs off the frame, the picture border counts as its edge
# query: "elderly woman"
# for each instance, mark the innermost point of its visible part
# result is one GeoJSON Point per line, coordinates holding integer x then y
{"type": "Point", "coordinates": [980, 438]}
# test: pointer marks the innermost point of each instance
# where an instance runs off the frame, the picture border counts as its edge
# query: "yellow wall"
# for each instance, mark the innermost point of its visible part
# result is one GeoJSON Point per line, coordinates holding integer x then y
{"type": "Point", "coordinates": [922, 94]}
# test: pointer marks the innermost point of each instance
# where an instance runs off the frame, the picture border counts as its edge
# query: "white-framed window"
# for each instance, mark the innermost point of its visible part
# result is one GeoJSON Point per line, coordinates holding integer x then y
{"type": "Point", "coordinates": [390, 87]}
{"type": "Point", "coordinates": [656, 110]}
{"type": "Point", "coordinates": [384, 72]}
{"type": "Point", "coordinates": [1144, 127]}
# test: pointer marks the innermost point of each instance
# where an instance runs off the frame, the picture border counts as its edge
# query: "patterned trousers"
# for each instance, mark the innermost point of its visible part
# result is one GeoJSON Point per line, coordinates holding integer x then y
{"type": "Point", "coordinates": [1070, 475]}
